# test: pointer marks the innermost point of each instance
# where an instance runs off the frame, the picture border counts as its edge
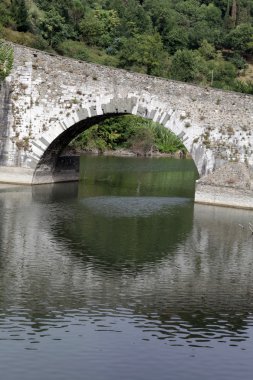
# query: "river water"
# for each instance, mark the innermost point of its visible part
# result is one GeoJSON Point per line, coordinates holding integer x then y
{"type": "Point", "coordinates": [121, 276]}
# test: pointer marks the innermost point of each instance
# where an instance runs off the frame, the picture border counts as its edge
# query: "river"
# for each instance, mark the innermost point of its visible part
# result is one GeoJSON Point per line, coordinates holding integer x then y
{"type": "Point", "coordinates": [121, 276]}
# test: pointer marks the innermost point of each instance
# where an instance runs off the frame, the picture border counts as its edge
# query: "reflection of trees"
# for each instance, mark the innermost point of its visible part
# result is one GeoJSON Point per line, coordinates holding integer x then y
{"type": "Point", "coordinates": [136, 176]}
{"type": "Point", "coordinates": [181, 275]}
{"type": "Point", "coordinates": [118, 241]}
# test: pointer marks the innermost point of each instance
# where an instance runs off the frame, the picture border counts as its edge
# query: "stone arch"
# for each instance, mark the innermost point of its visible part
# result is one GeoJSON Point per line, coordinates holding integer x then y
{"type": "Point", "coordinates": [47, 147]}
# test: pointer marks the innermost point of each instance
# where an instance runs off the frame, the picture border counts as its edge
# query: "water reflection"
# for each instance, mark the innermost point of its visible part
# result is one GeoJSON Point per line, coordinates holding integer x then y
{"type": "Point", "coordinates": [193, 282]}
{"type": "Point", "coordinates": [129, 176]}
{"type": "Point", "coordinates": [149, 268]}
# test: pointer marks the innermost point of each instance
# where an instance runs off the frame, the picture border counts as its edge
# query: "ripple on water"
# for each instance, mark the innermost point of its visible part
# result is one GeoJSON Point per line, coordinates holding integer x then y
{"type": "Point", "coordinates": [132, 206]}
{"type": "Point", "coordinates": [135, 299]}
{"type": "Point", "coordinates": [56, 326]}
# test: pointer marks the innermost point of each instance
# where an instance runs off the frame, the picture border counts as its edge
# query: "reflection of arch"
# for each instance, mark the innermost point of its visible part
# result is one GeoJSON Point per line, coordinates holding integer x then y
{"type": "Point", "coordinates": [105, 237]}
{"type": "Point", "coordinates": [48, 147]}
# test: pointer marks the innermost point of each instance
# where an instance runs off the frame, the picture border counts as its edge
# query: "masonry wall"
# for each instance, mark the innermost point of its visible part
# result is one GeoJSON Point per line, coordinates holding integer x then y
{"type": "Point", "coordinates": [5, 106]}
{"type": "Point", "coordinates": [49, 94]}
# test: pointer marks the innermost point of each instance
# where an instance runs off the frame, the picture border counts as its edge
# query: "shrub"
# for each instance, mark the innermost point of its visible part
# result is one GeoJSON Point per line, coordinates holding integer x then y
{"type": "Point", "coordinates": [27, 39]}
{"type": "Point", "coordinates": [74, 49]}
{"type": "Point", "coordinates": [6, 60]}
{"type": "Point", "coordinates": [140, 135]}
{"type": "Point", "coordinates": [142, 142]}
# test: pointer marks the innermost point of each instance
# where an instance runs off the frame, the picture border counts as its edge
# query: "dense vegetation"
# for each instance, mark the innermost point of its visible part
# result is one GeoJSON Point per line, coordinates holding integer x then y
{"type": "Point", "coordinates": [208, 42]}
{"type": "Point", "coordinates": [6, 60]}
{"type": "Point", "coordinates": [142, 137]}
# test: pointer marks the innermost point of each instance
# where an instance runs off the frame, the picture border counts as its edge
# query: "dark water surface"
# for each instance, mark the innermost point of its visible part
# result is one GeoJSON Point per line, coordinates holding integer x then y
{"type": "Point", "coordinates": [122, 277]}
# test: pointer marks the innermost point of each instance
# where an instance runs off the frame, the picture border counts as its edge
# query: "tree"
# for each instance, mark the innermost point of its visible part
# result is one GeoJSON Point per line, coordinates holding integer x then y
{"type": "Point", "coordinates": [99, 26]}
{"type": "Point", "coordinates": [212, 15]}
{"type": "Point", "coordinates": [142, 142]}
{"type": "Point", "coordinates": [54, 28]}
{"type": "Point", "coordinates": [21, 15]}
{"type": "Point", "coordinates": [177, 39]}
{"type": "Point", "coordinates": [223, 72]}
{"type": "Point", "coordinates": [240, 38]}
{"type": "Point", "coordinates": [145, 52]}
{"type": "Point", "coordinates": [202, 31]}
{"type": "Point", "coordinates": [184, 65]}
{"type": "Point", "coordinates": [135, 19]}
{"type": "Point", "coordinates": [207, 50]}
{"type": "Point", "coordinates": [6, 60]}
{"type": "Point", "coordinates": [189, 8]}
{"type": "Point", "coordinates": [76, 12]}
{"type": "Point", "coordinates": [6, 17]}
{"type": "Point", "coordinates": [164, 18]}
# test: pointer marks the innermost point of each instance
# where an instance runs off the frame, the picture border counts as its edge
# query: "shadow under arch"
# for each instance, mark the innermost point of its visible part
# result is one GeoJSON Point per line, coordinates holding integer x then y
{"type": "Point", "coordinates": [50, 145]}
{"type": "Point", "coordinates": [46, 171]}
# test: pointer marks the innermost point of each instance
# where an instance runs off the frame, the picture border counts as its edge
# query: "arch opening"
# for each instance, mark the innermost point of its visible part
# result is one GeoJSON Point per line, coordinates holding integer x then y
{"type": "Point", "coordinates": [49, 144]}
{"type": "Point", "coordinates": [48, 169]}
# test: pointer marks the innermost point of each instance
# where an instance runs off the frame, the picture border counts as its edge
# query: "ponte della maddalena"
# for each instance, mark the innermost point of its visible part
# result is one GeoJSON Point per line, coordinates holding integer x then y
{"type": "Point", "coordinates": [47, 100]}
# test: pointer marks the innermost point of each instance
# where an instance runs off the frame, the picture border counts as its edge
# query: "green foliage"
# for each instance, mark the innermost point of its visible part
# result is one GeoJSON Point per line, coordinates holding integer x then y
{"type": "Point", "coordinates": [223, 72]}
{"type": "Point", "coordinates": [144, 51]}
{"type": "Point", "coordinates": [20, 14]}
{"type": "Point", "coordinates": [139, 135]}
{"type": "Point", "coordinates": [239, 86]}
{"type": "Point", "coordinates": [35, 15]}
{"type": "Point", "coordinates": [204, 41]}
{"type": "Point", "coordinates": [99, 27]}
{"type": "Point", "coordinates": [134, 19]}
{"type": "Point", "coordinates": [177, 39]}
{"type": "Point", "coordinates": [166, 141]}
{"type": "Point", "coordinates": [207, 50]}
{"type": "Point", "coordinates": [6, 18]}
{"type": "Point", "coordinates": [76, 12]}
{"type": "Point", "coordinates": [6, 60]}
{"type": "Point", "coordinates": [27, 39]}
{"type": "Point", "coordinates": [184, 65]}
{"type": "Point", "coordinates": [74, 49]}
{"type": "Point", "coordinates": [79, 50]}
{"type": "Point", "coordinates": [142, 141]}
{"type": "Point", "coordinates": [240, 38]}
{"type": "Point", "coordinates": [53, 27]}
{"type": "Point", "coordinates": [237, 60]}
{"type": "Point", "coordinates": [164, 18]}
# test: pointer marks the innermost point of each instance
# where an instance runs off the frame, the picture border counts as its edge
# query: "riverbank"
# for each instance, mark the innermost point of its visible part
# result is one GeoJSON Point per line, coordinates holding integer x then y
{"type": "Point", "coordinates": [16, 175]}
{"type": "Point", "coordinates": [229, 186]}
{"type": "Point", "coordinates": [125, 153]}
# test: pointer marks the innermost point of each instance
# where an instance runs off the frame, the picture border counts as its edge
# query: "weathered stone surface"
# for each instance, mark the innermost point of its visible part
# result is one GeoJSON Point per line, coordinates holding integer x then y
{"type": "Point", "coordinates": [16, 175]}
{"type": "Point", "coordinates": [49, 99]}
{"type": "Point", "coordinates": [224, 196]}
{"type": "Point", "coordinates": [229, 185]}
{"type": "Point", "coordinates": [232, 174]}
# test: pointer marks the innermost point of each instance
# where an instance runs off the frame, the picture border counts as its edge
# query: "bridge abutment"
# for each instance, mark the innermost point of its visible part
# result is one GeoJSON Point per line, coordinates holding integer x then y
{"type": "Point", "coordinates": [231, 185]}
{"type": "Point", "coordinates": [16, 175]}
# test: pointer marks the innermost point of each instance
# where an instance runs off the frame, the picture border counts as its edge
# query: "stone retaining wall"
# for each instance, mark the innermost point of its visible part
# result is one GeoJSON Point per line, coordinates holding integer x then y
{"type": "Point", "coordinates": [230, 186]}
{"type": "Point", "coordinates": [223, 196]}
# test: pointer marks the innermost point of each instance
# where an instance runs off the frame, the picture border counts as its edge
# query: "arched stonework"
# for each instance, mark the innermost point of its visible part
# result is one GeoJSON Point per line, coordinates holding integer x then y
{"type": "Point", "coordinates": [47, 148]}
{"type": "Point", "coordinates": [49, 99]}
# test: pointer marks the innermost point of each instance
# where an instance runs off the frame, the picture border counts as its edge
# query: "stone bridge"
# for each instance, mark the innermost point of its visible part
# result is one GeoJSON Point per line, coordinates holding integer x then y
{"type": "Point", "coordinates": [48, 100]}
